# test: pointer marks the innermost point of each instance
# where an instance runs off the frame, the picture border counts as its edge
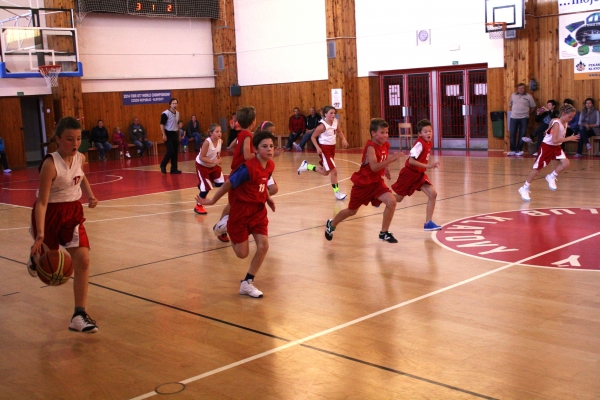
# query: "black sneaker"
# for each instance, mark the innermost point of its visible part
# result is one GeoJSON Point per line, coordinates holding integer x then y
{"type": "Point", "coordinates": [387, 237]}
{"type": "Point", "coordinates": [81, 322]}
{"type": "Point", "coordinates": [163, 170]}
{"type": "Point", "coordinates": [176, 171]}
{"type": "Point", "coordinates": [329, 230]}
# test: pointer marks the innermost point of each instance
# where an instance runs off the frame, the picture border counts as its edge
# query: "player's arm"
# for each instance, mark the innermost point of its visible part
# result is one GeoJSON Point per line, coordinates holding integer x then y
{"type": "Point", "coordinates": [415, 152]}
{"type": "Point", "coordinates": [47, 175]}
{"type": "Point", "coordinates": [246, 148]}
{"type": "Point", "coordinates": [203, 152]}
{"type": "Point", "coordinates": [315, 136]}
{"type": "Point", "coordinates": [376, 166]}
{"type": "Point", "coordinates": [341, 134]}
{"type": "Point", "coordinates": [270, 201]}
{"type": "Point", "coordinates": [557, 140]}
{"type": "Point", "coordinates": [236, 178]}
{"type": "Point", "coordinates": [163, 121]}
{"type": "Point", "coordinates": [87, 189]}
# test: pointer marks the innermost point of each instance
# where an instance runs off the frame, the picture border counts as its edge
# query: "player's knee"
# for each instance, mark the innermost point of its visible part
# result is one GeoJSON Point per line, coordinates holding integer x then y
{"type": "Point", "coordinates": [241, 252]}
{"type": "Point", "coordinates": [390, 201]}
{"type": "Point", "coordinates": [262, 247]}
{"type": "Point", "coordinates": [432, 194]}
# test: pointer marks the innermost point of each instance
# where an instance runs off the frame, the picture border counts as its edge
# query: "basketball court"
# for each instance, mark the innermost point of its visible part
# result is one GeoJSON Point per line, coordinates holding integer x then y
{"type": "Point", "coordinates": [429, 317]}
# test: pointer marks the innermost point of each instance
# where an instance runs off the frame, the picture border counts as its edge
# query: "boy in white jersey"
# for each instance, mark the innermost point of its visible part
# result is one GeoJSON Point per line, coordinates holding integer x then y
{"type": "Point", "coordinates": [326, 134]}
{"type": "Point", "coordinates": [550, 150]}
{"type": "Point", "coordinates": [208, 165]}
{"type": "Point", "coordinates": [57, 215]}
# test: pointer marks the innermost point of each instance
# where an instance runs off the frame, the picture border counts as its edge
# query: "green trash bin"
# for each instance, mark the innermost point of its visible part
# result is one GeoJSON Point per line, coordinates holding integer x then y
{"type": "Point", "coordinates": [497, 123]}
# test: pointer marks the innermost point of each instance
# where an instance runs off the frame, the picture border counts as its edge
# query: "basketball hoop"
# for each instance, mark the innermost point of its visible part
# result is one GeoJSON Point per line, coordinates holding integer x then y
{"type": "Point", "coordinates": [495, 29]}
{"type": "Point", "coordinates": [50, 74]}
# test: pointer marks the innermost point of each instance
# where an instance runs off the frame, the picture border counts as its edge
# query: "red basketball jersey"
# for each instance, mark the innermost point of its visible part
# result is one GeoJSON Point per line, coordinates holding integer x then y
{"type": "Point", "coordinates": [365, 175]}
{"type": "Point", "coordinates": [420, 151]}
{"type": "Point", "coordinates": [253, 191]}
{"type": "Point", "coordinates": [238, 154]}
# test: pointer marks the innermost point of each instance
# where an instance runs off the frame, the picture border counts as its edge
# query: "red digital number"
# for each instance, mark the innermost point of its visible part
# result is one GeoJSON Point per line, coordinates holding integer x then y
{"type": "Point", "coordinates": [170, 8]}
{"type": "Point", "coordinates": [138, 6]}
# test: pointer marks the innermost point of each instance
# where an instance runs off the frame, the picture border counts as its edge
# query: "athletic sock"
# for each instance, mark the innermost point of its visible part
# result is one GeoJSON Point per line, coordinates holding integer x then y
{"type": "Point", "coordinates": [249, 276]}
{"type": "Point", "coordinates": [526, 185]}
{"type": "Point", "coordinates": [335, 187]}
{"type": "Point", "coordinates": [203, 195]}
{"type": "Point", "coordinates": [554, 174]}
{"type": "Point", "coordinates": [311, 167]}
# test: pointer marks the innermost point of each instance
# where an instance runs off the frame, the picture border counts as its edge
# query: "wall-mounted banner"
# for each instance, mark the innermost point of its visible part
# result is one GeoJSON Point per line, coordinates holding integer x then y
{"type": "Point", "coordinates": [133, 98]}
{"type": "Point", "coordinates": [587, 68]}
{"type": "Point", "coordinates": [336, 98]}
{"type": "Point", "coordinates": [579, 35]}
{"type": "Point", "coordinates": [571, 6]}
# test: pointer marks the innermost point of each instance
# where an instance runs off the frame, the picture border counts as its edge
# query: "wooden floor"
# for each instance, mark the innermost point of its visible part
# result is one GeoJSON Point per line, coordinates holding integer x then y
{"type": "Point", "coordinates": [431, 317]}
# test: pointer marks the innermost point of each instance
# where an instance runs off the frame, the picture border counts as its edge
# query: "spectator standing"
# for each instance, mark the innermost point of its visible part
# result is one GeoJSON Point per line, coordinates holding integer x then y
{"type": "Point", "coordinates": [297, 126]}
{"type": "Point", "coordinates": [169, 120]}
{"type": "Point", "coordinates": [521, 105]}
{"type": "Point", "coordinates": [312, 121]}
{"type": "Point", "coordinates": [137, 133]}
{"type": "Point", "coordinates": [3, 157]}
{"type": "Point", "coordinates": [193, 131]}
{"type": "Point", "coordinates": [589, 125]}
{"type": "Point", "coordinates": [100, 140]}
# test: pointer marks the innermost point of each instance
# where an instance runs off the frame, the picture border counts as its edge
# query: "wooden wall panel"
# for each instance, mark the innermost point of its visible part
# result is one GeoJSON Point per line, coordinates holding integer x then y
{"type": "Point", "coordinates": [11, 130]}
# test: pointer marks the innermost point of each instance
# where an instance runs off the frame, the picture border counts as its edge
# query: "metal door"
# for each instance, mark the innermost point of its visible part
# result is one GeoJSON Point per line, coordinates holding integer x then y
{"type": "Point", "coordinates": [393, 102]}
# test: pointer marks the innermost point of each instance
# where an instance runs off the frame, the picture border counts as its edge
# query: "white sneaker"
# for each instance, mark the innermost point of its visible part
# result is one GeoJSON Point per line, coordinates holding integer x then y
{"type": "Point", "coordinates": [340, 195]}
{"type": "Point", "coordinates": [127, 155]}
{"type": "Point", "coordinates": [535, 154]}
{"type": "Point", "coordinates": [297, 147]}
{"type": "Point", "coordinates": [589, 146]}
{"type": "Point", "coordinates": [83, 323]}
{"type": "Point", "coordinates": [551, 182]}
{"type": "Point", "coordinates": [527, 140]}
{"type": "Point", "coordinates": [7, 170]}
{"type": "Point", "coordinates": [248, 288]}
{"type": "Point", "coordinates": [519, 153]}
{"type": "Point", "coordinates": [510, 153]}
{"type": "Point", "coordinates": [221, 226]}
{"type": "Point", "coordinates": [524, 192]}
{"type": "Point", "coordinates": [303, 167]}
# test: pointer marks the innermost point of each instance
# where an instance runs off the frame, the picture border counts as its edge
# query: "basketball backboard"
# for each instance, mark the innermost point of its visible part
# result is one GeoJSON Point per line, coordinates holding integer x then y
{"type": "Point", "coordinates": [511, 12]}
{"type": "Point", "coordinates": [29, 39]}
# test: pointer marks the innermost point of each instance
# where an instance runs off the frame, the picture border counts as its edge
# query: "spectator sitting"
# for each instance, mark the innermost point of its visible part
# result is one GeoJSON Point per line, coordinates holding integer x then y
{"type": "Point", "coordinates": [137, 134]}
{"type": "Point", "coordinates": [312, 121]}
{"type": "Point", "coordinates": [3, 157]}
{"type": "Point", "coordinates": [589, 125]}
{"type": "Point", "coordinates": [193, 131]}
{"type": "Point", "coordinates": [100, 140]}
{"type": "Point", "coordinates": [297, 127]}
{"type": "Point", "coordinates": [119, 140]}
{"type": "Point", "coordinates": [543, 116]}
{"type": "Point", "coordinates": [182, 136]}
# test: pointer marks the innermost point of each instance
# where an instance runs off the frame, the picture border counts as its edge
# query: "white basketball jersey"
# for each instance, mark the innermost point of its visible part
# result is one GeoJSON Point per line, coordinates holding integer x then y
{"type": "Point", "coordinates": [66, 186]}
{"type": "Point", "coordinates": [562, 132]}
{"type": "Point", "coordinates": [329, 136]}
{"type": "Point", "coordinates": [212, 152]}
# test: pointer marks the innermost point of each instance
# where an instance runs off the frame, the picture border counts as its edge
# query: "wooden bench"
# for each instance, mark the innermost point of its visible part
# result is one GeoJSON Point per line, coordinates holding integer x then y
{"type": "Point", "coordinates": [92, 150]}
{"type": "Point", "coordinates": [593, 140]}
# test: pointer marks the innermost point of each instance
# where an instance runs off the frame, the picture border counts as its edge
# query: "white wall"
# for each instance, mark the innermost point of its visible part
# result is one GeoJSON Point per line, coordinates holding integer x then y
{"type": "Point", "coordinates": [386, 34]}
{"type": "Point", "coordinates": [280, 41]}
{"type": "Point", "coordinates": [123, 53]}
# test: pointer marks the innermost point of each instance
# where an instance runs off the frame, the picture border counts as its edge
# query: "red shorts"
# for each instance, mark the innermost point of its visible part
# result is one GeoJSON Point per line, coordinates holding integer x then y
{"type": "Point", "coordinates": [327, 156]}
{"type": "Point", "coordinates": [245, 220]}
{"type": "Point", "coordinates": [408, 181]}
{"type": "Point", "coordinates": [206, 177]}
{"type": "Point", "coordinates": [546, 154]}
{"type": "Point", "coordinates": [63, 226]}
{"type": "Point", "coordinates": [363, 194]}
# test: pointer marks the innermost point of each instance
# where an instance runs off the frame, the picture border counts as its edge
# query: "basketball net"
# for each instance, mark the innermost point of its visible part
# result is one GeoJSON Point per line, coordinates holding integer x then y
{"type": "Point", "coordinates": [50, 74]}
{"type": "Point", "coordinates": [496, 29]}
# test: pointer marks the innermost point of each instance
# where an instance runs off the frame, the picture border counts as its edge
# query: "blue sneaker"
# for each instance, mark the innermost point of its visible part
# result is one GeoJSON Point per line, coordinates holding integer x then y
{"type": "Point", "coordinates": [431, 226]}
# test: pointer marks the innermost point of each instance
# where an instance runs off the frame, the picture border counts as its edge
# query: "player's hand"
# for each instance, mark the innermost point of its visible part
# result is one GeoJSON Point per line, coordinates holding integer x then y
{"type": "Point", "coordinates": [92, 202]}
{"type": "Point", "coordinates": [204, 202]}
{"type": "Point", "coordinates": [37, 246]}
{"type": "Point", "coordinates": [387, 174]}
{"type": "Point", "coordinates": [271, 203]}
{"type": "Point", "coordinates": [278, 152]}
{"type": "Point", "coordinates": [218, 162]}
{"type": "Point", "coordinates": [434, 165]}
{"type": "Point", "coordinates": [396, 156]}
{"type": "Point", "coordinates": [319, 150]}
{"type": "Point", "coordinates": [345, 144]}
{"type": "Point", "coordinates": [574, 138]}
{"type": "Point", "coordinates": [164, 137]}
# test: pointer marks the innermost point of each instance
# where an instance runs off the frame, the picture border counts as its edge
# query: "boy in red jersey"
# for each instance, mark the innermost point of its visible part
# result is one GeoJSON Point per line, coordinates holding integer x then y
{"type": "Point", "coordinates": [248, 192]}
{"type": "Point", "coordinates": [412, 177]}
{"type": "Point", "coordinates": [369, 186]}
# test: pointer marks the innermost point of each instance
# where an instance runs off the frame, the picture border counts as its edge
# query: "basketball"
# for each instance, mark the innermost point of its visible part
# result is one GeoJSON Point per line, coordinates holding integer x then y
{"type": "Point", "coordinates": [55, 267]}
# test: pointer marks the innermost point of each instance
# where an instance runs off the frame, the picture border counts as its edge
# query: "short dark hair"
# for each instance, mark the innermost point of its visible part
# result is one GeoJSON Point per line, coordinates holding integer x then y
{"type": "Point", "coordinates": [553, 102]}
{"type": "Point", "coordinates": [327, 108]}
{"type": "Point", "coordinates": [569, 101]}
{"type": "Point", "coordinates": [96, 121]}
{"type": "Point", "coordinates": [521, 84]}
{"type": "Point", "coordinates": [172, 100]}
{"type": "Point", "coordinates": [377, 123]}
{"type": "Point", "coordinates": [260, 136]}
{"type": "Point", "coordinates": [422, 124]}
{"type": "Point", "coordinates": [245, 116]}
{"type": "Point", "coordinates": [586, 100]}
